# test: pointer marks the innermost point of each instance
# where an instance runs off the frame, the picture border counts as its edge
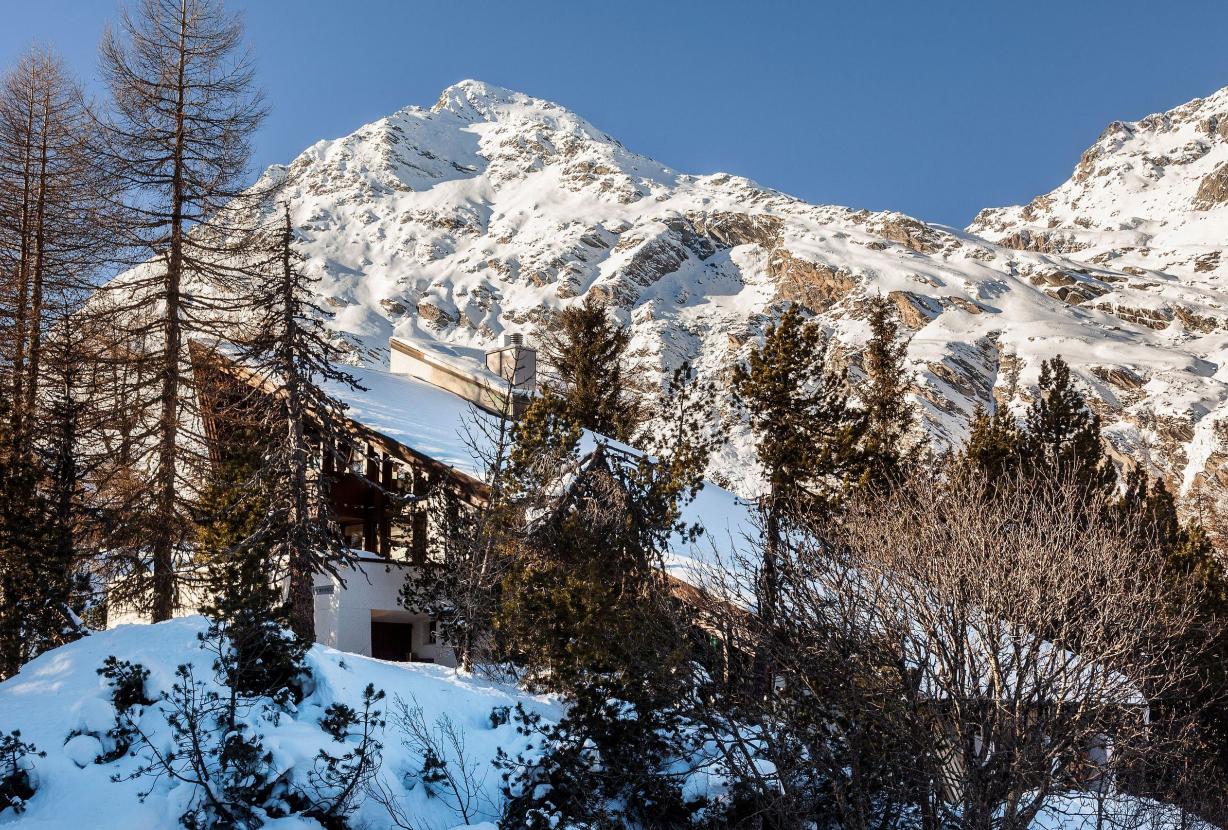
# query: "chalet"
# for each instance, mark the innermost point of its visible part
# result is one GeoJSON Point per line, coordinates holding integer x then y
{"type": "Point", "coordinates": [407, 434]}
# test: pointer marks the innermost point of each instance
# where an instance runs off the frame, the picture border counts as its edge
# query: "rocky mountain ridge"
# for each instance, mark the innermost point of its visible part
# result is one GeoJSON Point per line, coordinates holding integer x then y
{"type": "Point", "coordinates": [491, 211]}
{"type": "Point", "coordinates": [1150, 196]}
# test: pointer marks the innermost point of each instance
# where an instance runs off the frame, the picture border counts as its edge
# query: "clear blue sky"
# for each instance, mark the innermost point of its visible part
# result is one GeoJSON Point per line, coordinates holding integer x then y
{"type": "Point", "coordinates": [933, 108]}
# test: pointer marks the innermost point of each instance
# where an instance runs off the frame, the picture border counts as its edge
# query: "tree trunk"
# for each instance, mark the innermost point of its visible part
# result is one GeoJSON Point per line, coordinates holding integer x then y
{"type": "Point", "coordinates": [165, 527]}
{"type": "Point", "coordinates": [22, 267]}
{"type": "Point", "coordinates": [302, 570]}
{"type": "Point", "coordinates": [36, 287]}
{"type": "Point", "coordinates": [769, 588]}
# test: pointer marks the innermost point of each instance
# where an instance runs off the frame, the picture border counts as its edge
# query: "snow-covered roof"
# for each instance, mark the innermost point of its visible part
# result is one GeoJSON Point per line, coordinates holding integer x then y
{"type": "Point", "coordinates": [412, 412]}
{"type": "Point", "coordinates": [432, 421]}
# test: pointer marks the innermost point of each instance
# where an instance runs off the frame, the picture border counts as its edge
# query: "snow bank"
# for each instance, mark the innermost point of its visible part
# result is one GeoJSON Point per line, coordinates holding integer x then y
{"type": "Point", "coordinates": [60, 693]}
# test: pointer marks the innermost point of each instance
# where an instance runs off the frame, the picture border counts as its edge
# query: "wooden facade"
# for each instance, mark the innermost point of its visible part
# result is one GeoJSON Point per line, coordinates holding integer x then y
{"type": "Point", "coordinates": [381, 492]}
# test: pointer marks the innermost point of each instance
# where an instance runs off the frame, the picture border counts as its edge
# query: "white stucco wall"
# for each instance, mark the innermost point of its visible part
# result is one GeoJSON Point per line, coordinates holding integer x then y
{"type": "Point", "coordinates": [343, 616]}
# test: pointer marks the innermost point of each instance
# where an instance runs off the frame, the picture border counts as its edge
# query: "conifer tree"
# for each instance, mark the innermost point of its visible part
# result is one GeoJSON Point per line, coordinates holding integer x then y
{"type": "Point", "coordinates": [1149, 507]}
{"type": "Point", "coordinates": [995, 445]}
{"type": "Point", "coordinates": [292, 356]}
{"type": "Point", "coordinates": [184, 111]}
{"type": "Point", "coordinates": [586, 358]}
{"type": "Point", "coordinates": [586, 607]}
{"type": "Point", "coordinates": [889, 418]}
{"type": "Point", "coordinates": [1063, 434]}
{"type": "Point", "coordinates": [55, 222]}
{"type": "Point", "coordinates": [56, 229]}
{"type": "Point", "coordinates": [243, 598]}
{"type": "Point", "coordinates": [65, 404]}
{"type": "Point", "coordinates": [808, 436]}
{"type": "Point", "coordinates": [584, 596]}
{"type": "Point", "coordinates": [35, 579]}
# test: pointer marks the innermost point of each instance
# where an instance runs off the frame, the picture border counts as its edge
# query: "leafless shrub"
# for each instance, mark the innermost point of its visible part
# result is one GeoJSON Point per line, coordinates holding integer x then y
{"type": "Point", "coordinates": [447, 771]}
{"type": "Point", "coordinates": [953, 656]}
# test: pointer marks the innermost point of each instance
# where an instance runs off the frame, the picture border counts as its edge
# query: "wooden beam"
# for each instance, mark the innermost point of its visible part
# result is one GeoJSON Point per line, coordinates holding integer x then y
{"type": "Point", "coordinates": [420, 525]}
{"type": "Point", "coordinates": [385, 518]}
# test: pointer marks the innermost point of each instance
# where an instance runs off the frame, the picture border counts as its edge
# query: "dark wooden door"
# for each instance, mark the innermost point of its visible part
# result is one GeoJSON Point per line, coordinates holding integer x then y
{"type": "Point", "coordinates": [392, 640]}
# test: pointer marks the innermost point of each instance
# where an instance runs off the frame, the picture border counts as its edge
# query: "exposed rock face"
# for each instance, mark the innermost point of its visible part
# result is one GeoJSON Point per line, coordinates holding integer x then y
{"type": "Point", "coordinates": [911, 233]}
{"type": "Point", "coordinates": [1213, 191]}
{"type": "Point", "coordinates": [434, 316]}
{"type": "Point", "coordinates": [915, 311]}
{"type": "Point", "coordinates": [818, 287]}
{"type": "Point", "coordinates": [491, 211]}
{"type": "Point", "coordinates": [730, 230]}
{"type": "Point", "coordinates": [1042, 242]}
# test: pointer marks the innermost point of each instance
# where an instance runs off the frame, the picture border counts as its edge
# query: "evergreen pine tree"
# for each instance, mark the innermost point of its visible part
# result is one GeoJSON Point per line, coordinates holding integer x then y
{"type": "Point", "coordinates": [995, 447]}
{"type": "Point", "coordinates": [889, 418]}
{"type": "Point", "coordinates": [292, 355]}
{"type": "Point", "coordinates": [1149, 507]}
{"type": "Point", "coordinates": [1063, 434]}
{"type": "Point", "coordinates": [72, 525]}
{"type": "Point", "coordinates": [808, 437]}
{"type": "Point", "coordinates": [243, 598]}
{"type": "Point", "coordinates": [585, 595]}
{"type": "Point", "coordinates": [586, 607]}
{"type": "Point", "coordinates": [585, 355]}
{"type": "Point", "coordinates": [35, 582]}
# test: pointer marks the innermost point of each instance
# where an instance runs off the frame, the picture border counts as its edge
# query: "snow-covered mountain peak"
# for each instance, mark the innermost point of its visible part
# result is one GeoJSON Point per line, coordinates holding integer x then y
{"type": "Point", "coordinates": [473, 98]}
{"type": "Point", "coordinates": [479, 101]}
{"type": "Point", "coordinates": [476, 101]}
{"type": "Point", "coordinates": [491, 211]}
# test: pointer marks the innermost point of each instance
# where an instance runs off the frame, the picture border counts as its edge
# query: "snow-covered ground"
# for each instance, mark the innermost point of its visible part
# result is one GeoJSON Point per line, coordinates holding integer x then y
{"type": "Point", "coordinates": [60, 693]}
{"type": "Point", "coordinates": [59, 702]}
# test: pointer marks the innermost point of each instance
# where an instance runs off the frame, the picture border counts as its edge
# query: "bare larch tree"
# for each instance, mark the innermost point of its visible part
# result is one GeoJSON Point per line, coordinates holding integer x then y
{"type": "Point", "coordinates": [184, 110]}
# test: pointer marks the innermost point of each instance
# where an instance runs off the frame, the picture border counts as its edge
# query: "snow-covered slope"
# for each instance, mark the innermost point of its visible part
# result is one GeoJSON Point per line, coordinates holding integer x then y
{"type": "Point", "coordinates": [60, 704]}
{"type": "Point", "coordinates": [491, 211]}
{"type": "Point", "coordinates": [1150, 199]}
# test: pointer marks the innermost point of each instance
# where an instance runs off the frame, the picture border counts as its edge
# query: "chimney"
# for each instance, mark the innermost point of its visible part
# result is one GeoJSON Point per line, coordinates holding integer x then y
{"type": "Point", "coordinates": [515, 362]}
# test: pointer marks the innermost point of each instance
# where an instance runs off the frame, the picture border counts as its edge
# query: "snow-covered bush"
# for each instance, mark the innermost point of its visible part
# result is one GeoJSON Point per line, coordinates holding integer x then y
{"type": "Point", "coordinates": [127, 681]}
{"type": "Point", "coordinates": [606, 763]}
{"type": "Point", "coordinates": [338, 783]}
{"type": "Point", "coordinates": [63, 705]}
{"type": "Point", "coordinates": [16, 781]}
{"type": "Point", "coordinates": [215, 750]}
